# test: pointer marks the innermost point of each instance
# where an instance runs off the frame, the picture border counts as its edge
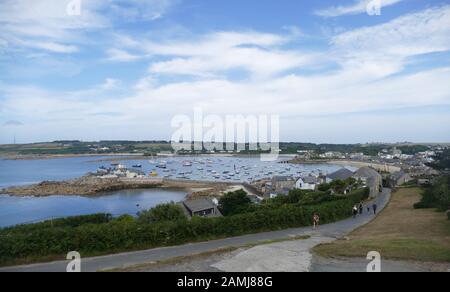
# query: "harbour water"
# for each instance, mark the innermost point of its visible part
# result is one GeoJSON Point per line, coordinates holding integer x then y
{"type": "Point", "coordinates": [21, 210]}
{"type": "Point", "coordinates": [16, 210]}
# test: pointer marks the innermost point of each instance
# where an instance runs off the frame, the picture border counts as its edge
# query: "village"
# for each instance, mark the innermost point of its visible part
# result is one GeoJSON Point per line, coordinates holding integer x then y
{"type": "Point", "coordinates": [391, 168]}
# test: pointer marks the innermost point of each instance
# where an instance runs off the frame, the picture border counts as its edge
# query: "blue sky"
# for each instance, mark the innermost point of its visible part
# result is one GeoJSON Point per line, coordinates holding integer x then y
{"type": "Point", "coordinates": [123, 69]}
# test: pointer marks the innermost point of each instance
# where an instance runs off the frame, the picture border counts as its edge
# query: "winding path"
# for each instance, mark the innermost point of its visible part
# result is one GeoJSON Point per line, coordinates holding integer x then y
{"type": "Point", "coordinates": [257, 259]}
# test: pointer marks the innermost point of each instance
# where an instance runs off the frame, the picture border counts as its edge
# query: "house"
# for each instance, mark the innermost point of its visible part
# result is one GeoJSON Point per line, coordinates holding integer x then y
{"type": "Point", "coordinates": [201, 207]}
{"type": "Point", "coordinates": [282, 184]}
{"type": "Point", "coordinates": [371, 179]}
{"type": "Point", "coordinates": [399, 178]}
{"type": "Point", "coordinates": [341, 174]}
{"type": "Point", "coordinates": [307, 183]}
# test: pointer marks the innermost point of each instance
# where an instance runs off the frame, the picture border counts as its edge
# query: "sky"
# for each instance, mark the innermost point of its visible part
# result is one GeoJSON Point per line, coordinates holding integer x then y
{"type": "Point", "coordinates": [122, 70]}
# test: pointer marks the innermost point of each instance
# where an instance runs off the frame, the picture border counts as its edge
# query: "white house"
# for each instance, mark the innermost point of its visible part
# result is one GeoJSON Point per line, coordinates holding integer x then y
{"type": "Point", "coordinates": [307, 183]}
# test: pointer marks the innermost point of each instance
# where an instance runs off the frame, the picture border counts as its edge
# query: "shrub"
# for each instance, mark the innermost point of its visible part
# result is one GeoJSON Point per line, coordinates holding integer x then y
{"type": "Point", "coordinates": [234, 203]}
{"type": "Point", "coordinates": [161, 213]}
{"type": "Point", "coordinates": [125, 218]}
{"type": "Point", "coordinates": [324, 187]}
{"type": "Point", "coordinates": [437, 196]}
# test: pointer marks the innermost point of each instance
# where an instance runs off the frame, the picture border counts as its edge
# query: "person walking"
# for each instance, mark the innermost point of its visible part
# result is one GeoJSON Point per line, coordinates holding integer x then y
{"type": "Point", "coordinates": [374, 208]}
{"type": "Point", "coordinates": [316, 220]}
{"type": "Point", "coordinates": [361, 208]}
{"type": "Point", "coordinates": [355, 211]}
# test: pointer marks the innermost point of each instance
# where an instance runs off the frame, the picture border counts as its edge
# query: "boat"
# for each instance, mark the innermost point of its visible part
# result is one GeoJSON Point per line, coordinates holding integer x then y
{"type": "Point", "coordinates": [137, 166]}
{"type": "Point", "coordinates": [162, 165]}
{"type": "Point", "coordinates": [154, 174]}
{"type": "Point", "coordinates": [121, 166]}
{"type": "Point", "coordinates": [187, 164]}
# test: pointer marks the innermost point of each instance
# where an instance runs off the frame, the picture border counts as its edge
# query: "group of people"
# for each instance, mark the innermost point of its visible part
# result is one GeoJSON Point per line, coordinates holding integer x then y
{"type": "Point", "coordinates": [360, 209]}
{"type": "Point", "coordinates": [356, 210]}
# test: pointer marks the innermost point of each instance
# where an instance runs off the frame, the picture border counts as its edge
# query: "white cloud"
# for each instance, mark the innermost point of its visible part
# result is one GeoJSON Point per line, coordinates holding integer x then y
{"type": "Point", "coordinates": [47, 22]}
{"type": "Point", "coordinates": [363, 82]}
{"type": "Point", "coordinates": [384, 49]}
{"type": "Point", "coordinates": [358, 7]}
{"type": "Point", "coordinates": [117, 55]}
{"type": "Point", "coordinates": [141, 9]}
{"type": "Point", "coordinates": [110, 83]}
{"type": "Point", "coordinates": [259, 54]}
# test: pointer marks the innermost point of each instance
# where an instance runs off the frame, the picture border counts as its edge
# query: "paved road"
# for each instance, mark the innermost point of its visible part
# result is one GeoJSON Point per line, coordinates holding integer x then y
{"type": "Point", "coordinates": [334, 230]}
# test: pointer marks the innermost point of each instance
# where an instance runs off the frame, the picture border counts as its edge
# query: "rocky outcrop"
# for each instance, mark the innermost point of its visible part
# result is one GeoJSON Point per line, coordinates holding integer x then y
{"type": "Point", "coordinates": [85, 186]}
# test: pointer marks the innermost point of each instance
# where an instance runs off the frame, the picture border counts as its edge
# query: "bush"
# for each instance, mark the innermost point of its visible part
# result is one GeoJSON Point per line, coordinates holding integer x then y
{"type": "Point", "coordinates": [40, 241]}
{"type": "Point", "coordinates": [125, 219]}
{"type": "Point", "coordinates": [437, 196]}
{"type": "Point", "coordinates": [161, 213]}
{"type": "Point", "coordinates": [234, 203]}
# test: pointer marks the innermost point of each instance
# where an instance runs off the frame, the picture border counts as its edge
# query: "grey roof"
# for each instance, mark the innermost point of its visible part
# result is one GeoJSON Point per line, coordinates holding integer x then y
{"type": "Point", "coordinates": [398, 175]}
{"type": "Point", "coordinates": [310, 180]}
{"type": "Point", "coordinates": [282, 178]}
{"type": "Point", "coordinates": [366, 172]}
{"type": "Point", "coordinates": [341, 174]}
{"type": "Point", "coordinates": [199, 205]}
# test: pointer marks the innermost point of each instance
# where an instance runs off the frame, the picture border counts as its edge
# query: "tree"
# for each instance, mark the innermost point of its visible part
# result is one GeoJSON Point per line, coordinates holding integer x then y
{"type": "Point", "coordinates": [338, 186]}
{"type": "Point", "coordinates": [234, 203]}
{"type": "Point", "coordinates": [437, 196]}
{"type": "Point", "coordinates": [164, 212]}
{"type": "Point", "coordinates": [324, 187]}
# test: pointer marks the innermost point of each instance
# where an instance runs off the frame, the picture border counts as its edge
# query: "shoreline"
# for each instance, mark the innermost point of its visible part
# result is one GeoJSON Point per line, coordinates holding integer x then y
{"type": "Point", "coordinates": [61, 156]}
{"type": "Point", "coordinates": [90, 186]}
{"type": "Point", "coordinates": [125, 156]}
{"type": "Point", "coordinates": [354, 163]}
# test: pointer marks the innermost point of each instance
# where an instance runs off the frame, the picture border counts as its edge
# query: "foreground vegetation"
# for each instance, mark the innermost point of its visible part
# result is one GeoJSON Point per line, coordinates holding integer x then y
{"type": "Point", "coordinates": [399, 232]}
{"type": "Point", "coordinates": [100, 234]}
{"type": "Point", "coordinates": [437, 196]}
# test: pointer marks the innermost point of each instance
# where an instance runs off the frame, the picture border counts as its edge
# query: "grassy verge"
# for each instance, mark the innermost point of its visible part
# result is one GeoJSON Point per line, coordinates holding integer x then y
{"type": "Point", "coordinates": [399, 232]}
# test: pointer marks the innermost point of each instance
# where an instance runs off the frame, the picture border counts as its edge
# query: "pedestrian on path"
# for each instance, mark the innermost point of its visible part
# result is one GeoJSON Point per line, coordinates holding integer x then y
{"type": "Point", "coordinates": [361, 208]}
{"type": "Point", "coordinates": [374, 207]}
{"type": "Point", "coordinates": [316, 220]}
{"type": "Point", "coordinates": [355, 211]}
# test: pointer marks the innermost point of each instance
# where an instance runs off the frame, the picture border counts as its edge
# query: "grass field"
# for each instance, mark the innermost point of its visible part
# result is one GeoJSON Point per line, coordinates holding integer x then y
{"type": "Point", "coordinates": [399, 232]}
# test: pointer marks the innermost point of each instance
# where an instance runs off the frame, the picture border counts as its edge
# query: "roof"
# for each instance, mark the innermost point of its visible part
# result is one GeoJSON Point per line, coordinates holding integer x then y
{"type": "Point", "coordinates": [366, 172]}
{"type": "Point", "coordinates": [398, 175]}
{"type": "Point", "coordinates": [199, 205]}
{"type": "Point", "coordinates": [282, 178]}
{"type": "Point", "coordinates": [310, 180]}
{"type": "Point", "coordinates": [341, 174]}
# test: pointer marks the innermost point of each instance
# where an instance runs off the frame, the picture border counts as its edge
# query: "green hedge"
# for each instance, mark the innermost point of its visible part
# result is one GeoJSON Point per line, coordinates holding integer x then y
{"type": "Point", "coordinates": [62, 222]}
{"type": "Point", "coordinates": [40, 240]}
{"type": "Point", "coordinates": [437, 196]}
